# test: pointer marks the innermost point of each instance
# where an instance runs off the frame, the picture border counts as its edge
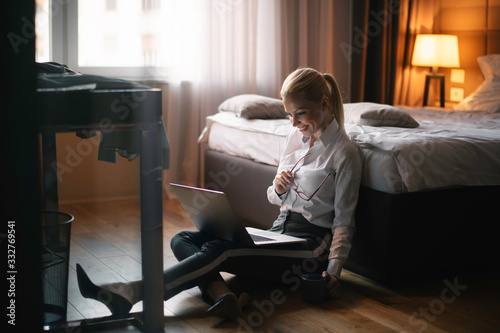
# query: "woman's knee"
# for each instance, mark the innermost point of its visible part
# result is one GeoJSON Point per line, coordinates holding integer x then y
{"type": "Point", "coordinates": [179, 236]}
{"type": "Point", "coordinates": [182, 243]}
{"type": "Point", "coordinates": [188, 242]}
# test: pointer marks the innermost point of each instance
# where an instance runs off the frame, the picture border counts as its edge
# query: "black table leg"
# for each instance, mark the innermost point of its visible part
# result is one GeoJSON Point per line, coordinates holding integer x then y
{"type": "Point", "coordinates": [152, 228]}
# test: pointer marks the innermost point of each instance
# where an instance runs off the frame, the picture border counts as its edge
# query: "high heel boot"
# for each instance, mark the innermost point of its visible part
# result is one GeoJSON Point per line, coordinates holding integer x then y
{"type": "Point", "coordinates": [118, 305]}
{"type": "Point", "coordinates": [228, 306]}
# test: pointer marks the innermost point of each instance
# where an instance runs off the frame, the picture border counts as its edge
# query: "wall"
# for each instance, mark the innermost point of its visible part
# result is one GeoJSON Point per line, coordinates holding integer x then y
{"type": "Point", "coordinates": [82, 177]}
{"type": "Point", "coordinates": [477, 25]}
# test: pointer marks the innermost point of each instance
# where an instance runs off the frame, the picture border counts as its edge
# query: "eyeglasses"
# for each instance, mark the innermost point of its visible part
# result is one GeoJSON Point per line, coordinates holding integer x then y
{"type": "Point", "coordinates": [301, 194]}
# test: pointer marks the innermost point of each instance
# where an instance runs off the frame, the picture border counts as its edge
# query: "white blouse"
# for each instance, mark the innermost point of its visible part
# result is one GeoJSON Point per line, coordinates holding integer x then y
{"type": "Point", "coordinates": [326, 181]}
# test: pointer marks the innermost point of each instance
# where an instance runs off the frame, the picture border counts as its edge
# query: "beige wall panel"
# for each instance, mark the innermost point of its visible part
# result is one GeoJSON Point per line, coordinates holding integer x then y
{"type": "Point", "coordinates": [463, 18]}
{"type": "Point", "coordinates": [84, 178]}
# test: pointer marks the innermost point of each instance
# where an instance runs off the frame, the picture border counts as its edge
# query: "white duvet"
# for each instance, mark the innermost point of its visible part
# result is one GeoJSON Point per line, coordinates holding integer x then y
{"type": "Point", "coordinates": [257, 139]}
{"type": "Point", "coordinates": [449, 148]}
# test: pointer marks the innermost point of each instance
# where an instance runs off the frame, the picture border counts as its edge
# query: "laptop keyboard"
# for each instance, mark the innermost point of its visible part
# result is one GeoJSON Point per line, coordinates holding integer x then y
{"type": "Point", "coordinates": [257, 238]}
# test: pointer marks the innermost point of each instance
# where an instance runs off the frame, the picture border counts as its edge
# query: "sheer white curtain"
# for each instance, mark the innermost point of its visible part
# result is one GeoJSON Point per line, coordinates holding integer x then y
{"type": "Point", "coordinates": [246, 46]}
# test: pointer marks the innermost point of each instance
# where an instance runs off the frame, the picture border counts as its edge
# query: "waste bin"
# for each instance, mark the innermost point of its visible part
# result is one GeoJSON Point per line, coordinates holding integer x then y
{"type": "Point", "coordinates": [56, 233]}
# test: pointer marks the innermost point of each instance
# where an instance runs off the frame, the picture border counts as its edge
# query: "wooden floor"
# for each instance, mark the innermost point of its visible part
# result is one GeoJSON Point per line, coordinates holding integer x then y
{"type": "Point", "coordinates": [105, 240]}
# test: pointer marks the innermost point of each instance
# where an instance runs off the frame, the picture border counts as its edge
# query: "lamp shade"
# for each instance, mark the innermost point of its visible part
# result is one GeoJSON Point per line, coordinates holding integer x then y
{"type": "Point", "coordinates": [436, 51]}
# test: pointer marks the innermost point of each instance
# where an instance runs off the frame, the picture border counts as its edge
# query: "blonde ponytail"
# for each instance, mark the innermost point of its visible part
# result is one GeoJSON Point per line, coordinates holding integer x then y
{"type": "Point", "coordinates": [336, 104]}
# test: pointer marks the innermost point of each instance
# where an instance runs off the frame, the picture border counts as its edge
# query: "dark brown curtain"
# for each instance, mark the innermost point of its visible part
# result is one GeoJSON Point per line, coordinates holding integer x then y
{"type": "Point", "coordinates": [382, 44]}
{"type": "Point", "coordinates": [373, 50]}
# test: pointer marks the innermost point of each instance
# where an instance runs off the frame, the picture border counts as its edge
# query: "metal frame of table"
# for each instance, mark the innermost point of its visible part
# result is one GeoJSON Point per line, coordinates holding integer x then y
{"type": "Point", "coordinates": [107, 110]}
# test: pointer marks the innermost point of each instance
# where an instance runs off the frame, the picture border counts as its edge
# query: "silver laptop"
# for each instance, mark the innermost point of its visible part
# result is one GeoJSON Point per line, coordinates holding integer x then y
{"type": "Point", "coordinates": [211, 213]}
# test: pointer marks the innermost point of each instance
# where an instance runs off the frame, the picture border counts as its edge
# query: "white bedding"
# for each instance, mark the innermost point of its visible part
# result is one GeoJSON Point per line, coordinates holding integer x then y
{"type": "Point", "coordinates": [256, 139]}
{"type": "Point", "coordinates": [449, 148]}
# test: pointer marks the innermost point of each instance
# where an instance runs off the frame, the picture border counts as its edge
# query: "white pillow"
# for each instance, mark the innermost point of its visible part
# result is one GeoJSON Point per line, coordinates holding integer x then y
{"type": "Point", "coordinates": [485, 98]}
{"type": "Point", "coordinates": [254, 106]}
{"type": "Point", "coordinates": [374, 114]}
{"type": "Point", "coordinates": [490, 66]}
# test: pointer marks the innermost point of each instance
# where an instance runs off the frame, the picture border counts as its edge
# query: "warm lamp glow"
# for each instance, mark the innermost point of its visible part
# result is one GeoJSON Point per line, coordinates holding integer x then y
{"type": "Point", "coordinates": [436, 51]}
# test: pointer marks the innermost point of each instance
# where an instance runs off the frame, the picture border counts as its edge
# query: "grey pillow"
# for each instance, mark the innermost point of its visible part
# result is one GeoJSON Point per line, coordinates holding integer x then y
{"type": "Point", "coordinates": [374, 114]}
{"type": "Point", "coordinates": [253, 106]}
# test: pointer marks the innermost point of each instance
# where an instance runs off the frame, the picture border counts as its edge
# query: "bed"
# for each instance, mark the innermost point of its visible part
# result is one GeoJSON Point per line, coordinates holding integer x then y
{"type": "Point", "coordinates": [430, 185]}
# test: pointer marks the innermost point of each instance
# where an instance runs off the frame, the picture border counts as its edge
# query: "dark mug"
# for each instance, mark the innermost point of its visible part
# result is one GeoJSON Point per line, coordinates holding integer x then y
{"type": "Point", "coordinates": [313, 288]}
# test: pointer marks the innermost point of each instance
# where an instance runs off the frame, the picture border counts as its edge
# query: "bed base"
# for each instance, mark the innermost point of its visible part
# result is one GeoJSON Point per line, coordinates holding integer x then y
{"type": "Point", "coordinates": [400, 238]}
{"type": "Point", "coordinates": [410, 237]}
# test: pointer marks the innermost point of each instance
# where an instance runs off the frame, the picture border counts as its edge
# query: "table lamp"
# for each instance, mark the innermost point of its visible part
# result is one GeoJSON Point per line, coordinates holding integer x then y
{"type": "Point", "coordinates": [435, 51]}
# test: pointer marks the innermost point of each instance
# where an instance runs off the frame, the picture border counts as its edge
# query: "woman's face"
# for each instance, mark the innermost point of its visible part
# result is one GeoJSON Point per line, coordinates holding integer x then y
{"type": "Point", "coordinates": [311, 118]}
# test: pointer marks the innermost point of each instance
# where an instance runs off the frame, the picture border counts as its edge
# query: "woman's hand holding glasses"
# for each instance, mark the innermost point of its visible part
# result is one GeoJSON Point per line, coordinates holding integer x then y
{"type": "Point", "coordinates": [283, 181]}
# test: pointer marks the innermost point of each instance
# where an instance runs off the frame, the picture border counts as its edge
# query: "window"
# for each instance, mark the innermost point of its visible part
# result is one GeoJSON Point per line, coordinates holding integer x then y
{"type": "Point", "coordinates": [124, 38]}
{"type": "Point", "coordinates": [110, 5]}
{"type": "Point", "coordinates": [42, 30]}
{"type": "Point", "coordinates": [150, 4]}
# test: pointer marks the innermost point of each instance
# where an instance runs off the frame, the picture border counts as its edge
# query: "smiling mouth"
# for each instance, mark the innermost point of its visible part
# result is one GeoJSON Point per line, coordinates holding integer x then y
{"type": "Point", "coordinates": [302, 129]}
